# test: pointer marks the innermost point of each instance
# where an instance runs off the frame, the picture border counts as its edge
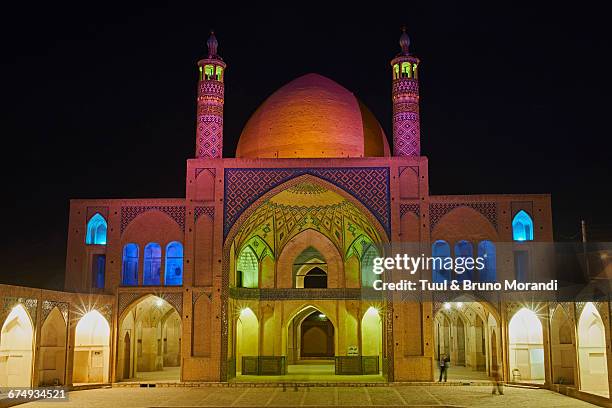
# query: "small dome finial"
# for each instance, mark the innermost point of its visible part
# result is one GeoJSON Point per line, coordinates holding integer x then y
{"type": "Point", "coordinates": [212, 45]}
{"type": "Point", "coordinates": [404, 41]}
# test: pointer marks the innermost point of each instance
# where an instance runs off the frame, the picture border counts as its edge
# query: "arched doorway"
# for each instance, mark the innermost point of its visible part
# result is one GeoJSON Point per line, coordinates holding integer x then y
{"type": "Point", "coordinates": [310, 342]}
{"type": "Point", "coordinates": [371, 334]}
{"type": "Point", "coordinates": [91, 349]}
{"type": "Point", "coordinates": [247, 336]}
{"type": "Point", "coordinates": [315, 278]}
{"type": "Point", "coordinates": [52, 352]}
{"type": "Point", "coordinates": [317, 337]}
{"type": "Point", "coordinates": [592, 358]}
{"type": "Point", "coordinates": [526, 348]}
{"type": "Point", "coordinates": [150, 337]}
{"type": "Point", "coordinates": [461, 334]}
{"type": "Point", "coordinates": [562, 347]}
{"type": "Point", "coordinates": [16, 342]}
{"type": "Point", "coordinates": [310, 269]}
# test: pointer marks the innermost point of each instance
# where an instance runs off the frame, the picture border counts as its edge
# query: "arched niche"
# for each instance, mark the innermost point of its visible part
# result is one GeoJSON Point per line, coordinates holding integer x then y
{"type": "Point", "coordinates": [247, 336]}
{"type": "Point", "coordinates": [91, 349]}
{"type": "Point", "coordinates": [149, 341]}
{"type": "Point", "coordinates": [409, 183]}
{"type": "Point", "coordinates": [563, 348]}
{"type": "Point", "coordinates": [205, 186]}
{"type": "Point", "coordinates": [526, 346]}
{"type": "Point", "coordinates": [371, 333]}
{"type": "Point", "coordinates": [52, 352]}
{"type": "Point", "coordinates": [16, 345]}
{"type": "Point", "coordinates": [300, 242]}
{"type": "Point", "coordinates": [592, 354]}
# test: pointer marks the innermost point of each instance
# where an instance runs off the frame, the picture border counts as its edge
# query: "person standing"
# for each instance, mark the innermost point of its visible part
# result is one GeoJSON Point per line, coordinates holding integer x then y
{"type": "Point", "coordinates": [444, 363]}
{"type": "Point", "coordinates": [498, 385]}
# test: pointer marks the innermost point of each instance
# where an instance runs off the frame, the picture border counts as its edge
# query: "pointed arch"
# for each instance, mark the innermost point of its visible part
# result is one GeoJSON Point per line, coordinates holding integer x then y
{"type": "Point", "coordinates": [522, 227]}
{"type": "Point", "coordinates": [52, 352]}
{"type": "Point", "coordinates": [16, 348]}
{"type": "Point", "coordinates": [367, 266]}
{"type": "Point", "coordinates": [247, 268]}
{"type": "Point", "coordinates": [592, 354]}
{"type": "Point", "coordinates": [379, 230]}
{"type": "Point", "coordinates": [562, 346]}
{"type": "Point", "coordinates": [487, 251]}
{"type": "Point", "coordinates": [440, 251]}
{"type": "Point", "coordinates": [463, 250]}
{"type": "Point", "coordinates": [296, 246]}
{"type": "Point", "coordinates": [247, 336]}
{"type": "Point", "coordinates": [151, 270]}
{"type": "Point", "coordinates": [526, 344]}
{"type": "Point", "coordinates": [173, 274]}
{"type": "Point", "coordinates": [91, 349]}
{"type": "Point", "coordinates": [129, 268]}
{"type": "Point", "coordinates": [96, 230]}
{"type": "Point", "coordinates": [149, 339]}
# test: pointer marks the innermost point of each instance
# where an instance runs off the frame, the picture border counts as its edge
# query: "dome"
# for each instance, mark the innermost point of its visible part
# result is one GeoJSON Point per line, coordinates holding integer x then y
{"type": "Point", "coordinates": [312, 117]}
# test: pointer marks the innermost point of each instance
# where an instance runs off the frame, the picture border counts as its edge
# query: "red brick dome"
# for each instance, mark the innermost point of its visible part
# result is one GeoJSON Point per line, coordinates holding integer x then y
{"type": "Point", "coordinates": [312, 116]}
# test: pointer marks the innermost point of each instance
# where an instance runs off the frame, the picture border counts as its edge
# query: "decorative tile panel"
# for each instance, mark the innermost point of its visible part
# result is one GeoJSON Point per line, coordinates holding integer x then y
{"type": "Point", "coordinates": [413, 208]}
{"type": "Point", "coordinates": [177, 213]}
{"type": "Point", "coordinates": [209, 211]}
{"type": "Point", "coordinates": [369, 185]}
{"type": "Point", "coordinates": [439, 210]}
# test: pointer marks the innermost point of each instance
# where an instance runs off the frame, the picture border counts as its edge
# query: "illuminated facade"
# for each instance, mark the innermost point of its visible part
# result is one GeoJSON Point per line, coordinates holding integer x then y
{"type": "Point", "coordinates": [264, 266]}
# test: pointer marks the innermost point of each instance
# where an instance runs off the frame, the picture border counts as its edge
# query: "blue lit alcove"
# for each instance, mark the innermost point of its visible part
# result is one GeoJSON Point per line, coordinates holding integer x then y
{"type": "Point", "coordinates": [96, 230]}
{"type": "Point", "coordinates": [441, 250]}
{"type": "Point", "coordinates": [174, 264]}
{"type": "Point", "coordinates": [464, 249]}
{"type": "Point", "coordinates": [522, 227]}
{"type": "Point", "coordinates": [152, 264]}
{"type": "Point", "coordinates": [486, 250]}
{"type": "Point", "coordinates": [129, 271]}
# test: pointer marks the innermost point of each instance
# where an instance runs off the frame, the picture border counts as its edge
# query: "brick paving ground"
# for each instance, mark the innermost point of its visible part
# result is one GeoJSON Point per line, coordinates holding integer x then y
{"type": "Point", "coordinates": [388, 396]}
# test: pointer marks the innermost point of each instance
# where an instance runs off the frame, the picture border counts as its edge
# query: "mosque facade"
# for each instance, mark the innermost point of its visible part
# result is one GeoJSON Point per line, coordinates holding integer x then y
{"type": "Point", "coordinates": [265, 267]}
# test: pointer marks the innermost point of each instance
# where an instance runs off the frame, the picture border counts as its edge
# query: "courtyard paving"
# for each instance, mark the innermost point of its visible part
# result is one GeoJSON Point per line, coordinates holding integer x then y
{"type": "Point", "coordinates": [387, 396]}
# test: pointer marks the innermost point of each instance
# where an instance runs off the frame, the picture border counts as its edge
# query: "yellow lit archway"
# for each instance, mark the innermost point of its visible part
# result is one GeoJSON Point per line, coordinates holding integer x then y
{"type": "Point", "coordinates": [91, 349]}
{"type": "Point", "coordinates": [16, 342]}
{"type": "Point", "coordinates": [592, 356]}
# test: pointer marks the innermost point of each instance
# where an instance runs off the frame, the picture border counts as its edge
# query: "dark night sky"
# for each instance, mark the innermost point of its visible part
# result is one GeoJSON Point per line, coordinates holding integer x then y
{"type": "Point", "coordinates": [100, 102]}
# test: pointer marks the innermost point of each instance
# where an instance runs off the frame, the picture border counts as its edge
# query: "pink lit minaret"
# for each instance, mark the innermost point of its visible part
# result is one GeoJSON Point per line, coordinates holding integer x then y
{"type": "Point", "coordinates": [209, 126]}
{"type": "Point", "coordinates": [405, 93]}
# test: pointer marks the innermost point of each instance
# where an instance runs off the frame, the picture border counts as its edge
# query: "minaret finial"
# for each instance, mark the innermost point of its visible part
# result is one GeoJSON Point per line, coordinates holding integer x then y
{"type": "Point", "coordinates": [212, 45]}
{"type": "Point", "coordinates": [404, 41]}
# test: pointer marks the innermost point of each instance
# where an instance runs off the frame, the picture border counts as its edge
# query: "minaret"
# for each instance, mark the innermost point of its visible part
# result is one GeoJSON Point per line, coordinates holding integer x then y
{"type": "Point", "coordinates": [405, 93]}
{"type": "Point", "coordinates": [209, 126]}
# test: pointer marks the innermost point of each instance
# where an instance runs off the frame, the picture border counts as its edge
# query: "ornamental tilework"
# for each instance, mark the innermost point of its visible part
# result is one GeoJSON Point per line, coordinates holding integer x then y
{"type": "Point", "coordinates": [177, 213]}
{"type": "Point", "coordinates": [126, 299]}
{"type": "Point", "coordinates": [277, 223]}
{"type": "Point", "coordinates": [210, 119]}
{"type": "Point", "coordinates": [412, 208]}
{"type": "Point", "coordinates": [406, 121]}
{"type": "Point", "coordinates": [369, 185]}
{"type": "Point", "coordinates": [212, 171]}
{"type": "Point", "coordinates": [439, 210]}
{"type": "Point", "coordinates": [48, 305]}
{"type": "Point", "coordinates": [9, 302]}
{"type": "Point", "coordinates": [209, 211]}
{"type": "Point", "coordinates": [107, 312]}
